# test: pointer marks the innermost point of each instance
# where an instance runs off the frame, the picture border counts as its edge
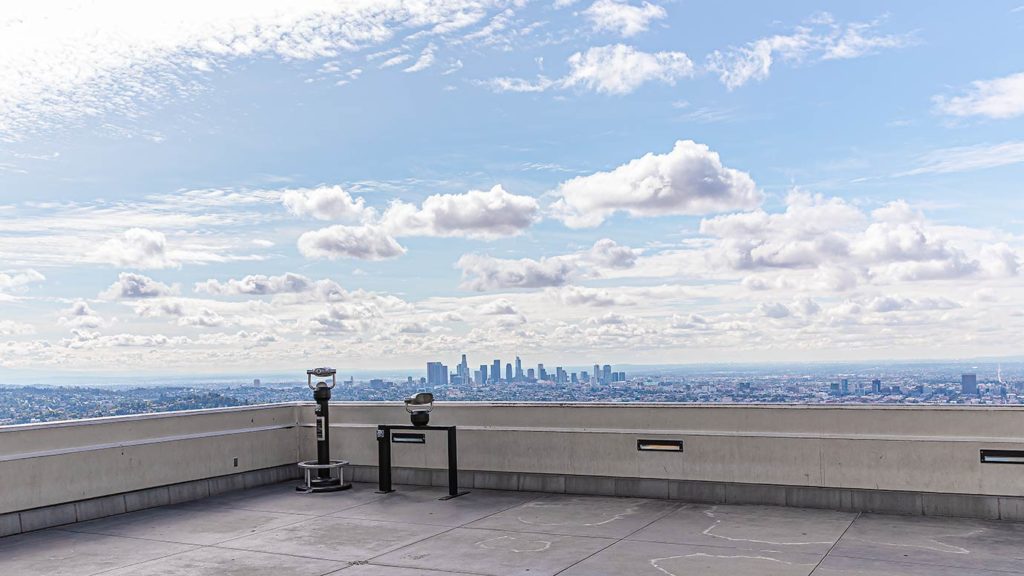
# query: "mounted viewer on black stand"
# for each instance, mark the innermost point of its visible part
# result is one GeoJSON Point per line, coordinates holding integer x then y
{"type": "Point", "coordinates": [418, 406]}
{"type": "Point", "coordinates": [325, 479]}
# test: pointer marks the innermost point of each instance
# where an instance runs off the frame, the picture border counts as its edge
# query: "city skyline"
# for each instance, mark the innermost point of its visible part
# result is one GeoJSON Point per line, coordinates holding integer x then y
{"type": "Point", "coordinates": [376, 185]}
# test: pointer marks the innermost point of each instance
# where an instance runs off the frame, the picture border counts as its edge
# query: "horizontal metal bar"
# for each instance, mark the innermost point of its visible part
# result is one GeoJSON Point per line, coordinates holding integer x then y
{"type": "Point", "coordinates": [1002, 456]}
{"type": "Point", "coordinates": [408, 438]}
{"type": "Point", "coordinates": [659, 445]}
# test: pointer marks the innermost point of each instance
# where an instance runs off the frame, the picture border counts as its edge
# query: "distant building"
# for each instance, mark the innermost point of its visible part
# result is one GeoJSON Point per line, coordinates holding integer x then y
{"type": "Point", "coordinates": [607, 373]}
{"type": "Point", "coordinates": [508, 372]}
{"type": "Point", "coordinates": [483, 374]}
{"type": "Point", "coordinates": [542, 374]}
{"type": "Point", "coordinates": [584, 376]}
{"type": "Point", "coordinates": [597, 373]}
{"type": "Point", "coordinates": [573, 378]}
{"type": "Point", "coordinates": [255, 381]}
{"type": "Point", "coordinates": [496, 371]}
{"type": "Point", "coordinates": [519, 370]}
{"type": "Point", "coordinates": [968, 383]}
{"type": "Point", "coordinates": [876, 386]}
{"type": "Point", "coordinates": [844, 386]}
{"type": "Point", "coordinates": [531, 374]}
{"type": "Point", "coordinates": [437, 374]}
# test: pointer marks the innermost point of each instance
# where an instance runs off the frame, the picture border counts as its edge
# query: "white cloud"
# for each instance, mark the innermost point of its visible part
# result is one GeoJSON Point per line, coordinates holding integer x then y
{"type": "Point", "coordinates": [820, 39]}
{"type": "Point", "coordinates": [621, 69]}
{"type": "Point", "coordinates": [622, 17]}
{"type": "Point", "coordinates": [136, 248]}
{"type": "Point", "coordinates": [997, 98]}
{"type": "Point", "coordinates": [12, 328]}
{"type": "Point", "coordinates": [606, 252]}
{"type": "Point", "coordinates": [688, 180]}
{"type": "Point", "coordinates": [498, 307]}
{"type": "Point", "coordinates": [615, 69]}
{"type": "Point", "coordinates": [18, 279]}
{"type": "Point", "coordinates": [205, 318]}
{"type": "Point", "coordinates": [426, 59]}
{"type": "Point", "coordinates": [257, 284]}
{"type": "Point", "coordinates": [361, 242]}
{"type": "Point", "coordinates": [395, 61]}
{"type": "Point", "coordinates": [324, 203]}
{"type": "Point", "coordinates": [131, 285]}
{"type": "Point", "coordinates": [583, 296]}
{"type": "Point", "coordinates": [484, 273]}
{"type": "Point", "coordinates": [475, 214]}
{"type": "Point", "coordinates": [80, 316]}
{"type": "Point", "coordinates": [967, 158]}
{"type": "Point", "coordinates": [88, 59]}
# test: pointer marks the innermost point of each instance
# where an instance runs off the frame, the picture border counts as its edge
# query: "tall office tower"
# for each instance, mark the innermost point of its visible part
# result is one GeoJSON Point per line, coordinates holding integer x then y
{"type": "Point", "coordinates": [542, 374]}
{"type": "Point", "coordinates": [434, 373]}
{"type": "Point", "coordinates": [483, 374]}
{"type": "Point", "coordinates": [559, 375]}
{"type": "Point", "coordinates": [876, 386]}
{"type": "Point", "coordinates": [574, 379]}
{"type": "Point", "coordinates": [519, 369]}
{"type": "Point", "coordinates": [437, 374]}
{"type": "Point", "coordinates": [584, 376]}
{"type": "Point", "coordinates": [464, 368]}
{"type": "Point", "coordinates": [531, 374]}
{"type": "Point", "coordinates": [508, 372]}
{"type": "Point", "coordinates": [845, 385]}
{"type": "Point", "coordinates": [597, 373]}
{"type": "Point", "coordinates": [496, 372]}
{"type": "Point", "coordinates": [968, 383]}
{"type": "Point", "coordinates": [476, 376]}
{"type": "Point", "coordinates": [607, 373]}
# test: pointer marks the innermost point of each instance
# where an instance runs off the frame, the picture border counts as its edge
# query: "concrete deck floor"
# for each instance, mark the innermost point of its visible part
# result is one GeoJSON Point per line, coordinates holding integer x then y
{"type": "Point", "coordinates": [274, 531]}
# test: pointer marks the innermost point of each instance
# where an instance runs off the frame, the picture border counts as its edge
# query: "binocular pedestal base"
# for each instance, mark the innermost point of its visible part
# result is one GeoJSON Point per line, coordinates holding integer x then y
{"type": "Point", "coordinates": [331, 483]}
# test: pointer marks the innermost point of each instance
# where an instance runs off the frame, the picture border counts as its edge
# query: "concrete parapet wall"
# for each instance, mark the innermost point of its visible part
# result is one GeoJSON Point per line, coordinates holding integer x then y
{"type": "Point", "coordinates": [781, 454]}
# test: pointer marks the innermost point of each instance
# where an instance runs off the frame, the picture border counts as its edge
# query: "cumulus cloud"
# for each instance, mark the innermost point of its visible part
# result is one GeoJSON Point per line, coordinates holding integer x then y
{"type": "Point", "coordinates": [484, 273]}
{"type": "Point", "coordinates": [688, 180]}
{"type": "Point", "coordinates": [361, 242]}
{"type": "Point", "coordinates": [606, 252]}
{"type": "Point", "coordinates": [998, 98]}
{"type": "Point", "coordinates": [12, 328]}
{"type": "Point", "coordinates": [498, 307]}
{"type": "Point", "coordinates": [615, 69]}
{"type": "Point", "coordinates": [257, 284]}
{"type": "Point", "coordinates": [475, 214]}
{"type": "Point", "coordinates": [18, 279]}
{"type": "Point", "coordinates": [621, 69]}
{"type": "Point", "coordinates": [583, 296]}
{"type": "Point", "coordinates": [136, 248]}
{"type": "Point", "coordinates": [622, 17]}
{"type": "Point", "coordinates": [324, 203]}
{"type": "Point", "coordinates": [130, 285]}
{"type": "Point", "coordinates": [205, 318]}
{"type": "Point", "coordinates": [821, 38]}
{"type": "Point", "coordinates": [80, 316]}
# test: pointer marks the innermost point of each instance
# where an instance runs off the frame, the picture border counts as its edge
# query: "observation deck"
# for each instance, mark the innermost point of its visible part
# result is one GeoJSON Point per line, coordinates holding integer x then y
{"type": "Point", "coordinates": [554, 489]}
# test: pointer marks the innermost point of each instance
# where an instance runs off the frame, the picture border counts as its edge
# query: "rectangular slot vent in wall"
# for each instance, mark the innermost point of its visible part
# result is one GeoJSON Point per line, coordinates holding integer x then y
{"type": "Point", "coordinates": [659, 445]}
{"type": "Point", "coordinates": [408, 438]}
{"type": "Point", "coordinates": [1002, 456]}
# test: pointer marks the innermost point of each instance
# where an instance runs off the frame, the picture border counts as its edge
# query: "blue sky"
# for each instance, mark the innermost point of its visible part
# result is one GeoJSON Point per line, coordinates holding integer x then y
{"type": "Point", "coordinates": [196, 188]}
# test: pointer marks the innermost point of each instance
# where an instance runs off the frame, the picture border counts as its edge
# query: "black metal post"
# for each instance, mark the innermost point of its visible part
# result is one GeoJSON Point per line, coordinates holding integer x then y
{"type": "Point", "coordinates": [384, 459]}
{"type": "Point", "coordinates": [322, 395]}
{"type": "Point", "coordinates": [453, 464]}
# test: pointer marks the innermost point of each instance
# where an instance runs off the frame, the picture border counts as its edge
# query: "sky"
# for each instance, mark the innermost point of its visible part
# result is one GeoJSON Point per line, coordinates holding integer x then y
{"type": "Point", "coordinates": [212, 187]}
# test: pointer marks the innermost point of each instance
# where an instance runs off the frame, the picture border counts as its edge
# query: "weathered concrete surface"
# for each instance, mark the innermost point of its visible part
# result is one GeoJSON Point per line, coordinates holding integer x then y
{"type": "Point", "coordinates": [273, 530]}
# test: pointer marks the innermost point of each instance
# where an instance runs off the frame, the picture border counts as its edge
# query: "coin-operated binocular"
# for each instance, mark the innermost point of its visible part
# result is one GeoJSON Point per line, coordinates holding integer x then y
{"type": "Point", "coordinates": [419, 406]}
{"type": "Point", "coordinates": [325, 479]}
